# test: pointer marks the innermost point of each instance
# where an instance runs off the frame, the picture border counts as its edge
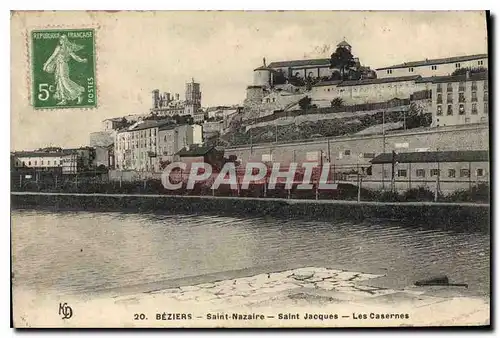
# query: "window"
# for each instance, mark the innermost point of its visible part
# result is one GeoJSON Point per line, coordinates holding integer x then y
{"type": "Point", "coordinates": [480, 63]}
{"type": "Point", "coordinates": [29, 162]}
{"type": "Point", "coordinates": [485, 97]}
{"type": "Point", "coordinates": [439, 98]}
{"type": "Point", "coordinates": [449, 97]}
{"type": "Point", "coordinates": [41, 162]}
{"type": "Point", "coordinates": [434, 67]}
{"type": "Point", "coordinates": [486, 108]}
{"type": "Point", "coordinates": [457, 65]}
{"type": "Point", "coordinates": [410, 69]}
{"type": "Point", "coordinates": [386, 173]}
{"type": "Point", "coordinates": [402, 173]}
{"type": "Point", "coordinates": [464, 173]}
{"type": "Point", "coordinates": [267, 157]}
{"type": "Point", "coordinates": [450, 110]}
{"type": "Point", "coordinates": [474, 97]}
{"type": "Point", "coordinates": [389, 71]}
{"type": "Point", "coordinates": [60, 163]}
{"type": "Point", "coordinates": [434, 172]}
{"type": "Point", "coordinates": [420, 172]}
{"type": "Point", "coordinates": [467, 120]}
{"type": "Point", "coordinates": [24, 163]}
{"type": "Point", "coordinates": [312, 156]}
{"type": "Point", "coordinates": [439, 88]}
{"type": "Point", "coordinates": [461, 97]}
{"type": "Point", "coordinates": [347, 152]}
{"type": "Point", "coordinates": [461, 109]}
{"type": "Point", "coordinates": [368, 155]}
{"type": "Point", "coordinates": [474, 109]}
{"type": "Point", "coordinates": [485, 84]}
{"type": "Point", "coordinates": [461, 87]}
{"type": "Point", "coordinates": [479, 172]}
{"type": "Point", "coordinates": [474, 85]}
{"type": "Point", "coordinates": [439, 110]}
{"type": "Point", "coordinates": [451, 173]}
{"type": "Point", "coordinates": [449, 87]}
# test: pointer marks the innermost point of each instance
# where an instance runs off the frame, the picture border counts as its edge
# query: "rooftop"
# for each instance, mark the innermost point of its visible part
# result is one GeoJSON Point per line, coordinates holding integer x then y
{"type": "Point", "coordinates": [428, 62]}
{"type": "Point", "coordinates": [434, 156]}
{"type": "Point", "coordinates": [39, 153]}
{"type": "Point", "coordinates": [195, 150]}
{"type": "Point", "coordinates": [378, 81]}
{"type": "Point", "coordinates": [367, 81]}
{"type": "Point", "coordinates": [148, 124]}
{"type": "Point", "coordinates": [462, 78]}
{"type": "Point", "coordinates": [343, 43]}
{"type": "Point", "coordinates": [298, 63]}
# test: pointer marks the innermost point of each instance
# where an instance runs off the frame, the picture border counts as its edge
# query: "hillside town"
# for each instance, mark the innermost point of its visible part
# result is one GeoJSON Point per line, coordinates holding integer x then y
{"type": "Point", "coordinates": [416, 124]}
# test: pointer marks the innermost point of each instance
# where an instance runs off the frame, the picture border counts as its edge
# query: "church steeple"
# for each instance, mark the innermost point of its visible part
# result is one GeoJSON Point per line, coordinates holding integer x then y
{"type": "Point", "coordinates": [344, 44]}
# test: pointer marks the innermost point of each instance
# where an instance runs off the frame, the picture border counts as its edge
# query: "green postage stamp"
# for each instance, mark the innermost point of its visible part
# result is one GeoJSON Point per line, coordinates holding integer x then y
{"type": "Point", "coordinates": [63, 68]}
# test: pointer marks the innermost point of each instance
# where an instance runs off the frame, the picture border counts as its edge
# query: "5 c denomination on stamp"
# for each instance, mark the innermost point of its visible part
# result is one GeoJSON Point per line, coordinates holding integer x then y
{"type": "Point", "coordinates": [63, 68]}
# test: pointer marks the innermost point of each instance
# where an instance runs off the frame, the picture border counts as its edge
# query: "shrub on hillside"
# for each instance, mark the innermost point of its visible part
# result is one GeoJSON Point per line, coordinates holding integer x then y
{"type": "Point", "coordinates": [478, 193]}
{"type": "Point", "coordinates": [418, 194]}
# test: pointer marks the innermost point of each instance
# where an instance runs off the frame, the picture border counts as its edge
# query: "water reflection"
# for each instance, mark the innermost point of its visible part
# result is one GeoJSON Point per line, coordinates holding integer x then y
{"type": "Point", "coordinates": [83, 251]}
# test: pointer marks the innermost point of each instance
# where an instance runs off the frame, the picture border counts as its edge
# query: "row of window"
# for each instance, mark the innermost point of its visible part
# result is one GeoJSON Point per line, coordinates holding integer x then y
{"type": "Point", "coordinates": [144, 133]}
{"type": "Point", "coordinates": [452, 173]}
{"type": "Point", "coordinates": [461, 109]}
{"type": "Point", "coordinates": [435, 67]}
{"type": "Point", "coordinates": [461, 86]}
{"type": "Point", "coordinates": [42, 163]}
{"type": "Point", "coordinates": [461, 97]}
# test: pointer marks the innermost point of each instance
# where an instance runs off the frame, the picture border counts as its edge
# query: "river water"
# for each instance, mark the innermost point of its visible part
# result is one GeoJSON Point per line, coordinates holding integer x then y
{"type": "Point", "coordinates": [75, 252]}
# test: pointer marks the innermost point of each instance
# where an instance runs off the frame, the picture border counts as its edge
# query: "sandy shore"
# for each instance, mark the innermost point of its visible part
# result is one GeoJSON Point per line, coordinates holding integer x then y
{"type": "Point", "coordinates": [303, 297]}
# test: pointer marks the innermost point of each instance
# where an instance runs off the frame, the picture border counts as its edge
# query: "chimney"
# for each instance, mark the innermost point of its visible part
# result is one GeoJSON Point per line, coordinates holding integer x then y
{"type": "Point", "coordinates": [177, 96]}
{"type": "Point", "coordinates": [264, 62]}
{"type": "Point", "coordinates": [168, 97]}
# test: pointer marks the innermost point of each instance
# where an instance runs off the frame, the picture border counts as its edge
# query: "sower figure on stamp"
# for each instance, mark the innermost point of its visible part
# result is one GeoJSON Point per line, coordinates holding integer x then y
{"type": "Point", "coordinates": [58, 63]}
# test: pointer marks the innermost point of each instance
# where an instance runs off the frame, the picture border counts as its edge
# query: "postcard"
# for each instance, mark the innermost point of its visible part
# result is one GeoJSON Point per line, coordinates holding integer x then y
{"type": "Point", "coordinates": [250, 169]}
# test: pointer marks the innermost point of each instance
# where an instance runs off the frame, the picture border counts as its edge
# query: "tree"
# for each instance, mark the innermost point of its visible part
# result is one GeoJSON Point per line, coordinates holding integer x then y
{"type": "Point", "coordinates": [279, 77]}
{"type": "Point", "coordinates": [343, 60]}
{"type": "Point", "coordinates": [337, 102]}
{"type": "Point", "coordinates": [305, 102]}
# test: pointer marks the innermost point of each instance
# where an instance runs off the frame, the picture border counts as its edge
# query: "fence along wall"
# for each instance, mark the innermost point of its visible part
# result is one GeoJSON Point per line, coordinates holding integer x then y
{"type": "Point", "coordinates": [132, 176]}
{"type": "Point", "coordinates": [358, 150]}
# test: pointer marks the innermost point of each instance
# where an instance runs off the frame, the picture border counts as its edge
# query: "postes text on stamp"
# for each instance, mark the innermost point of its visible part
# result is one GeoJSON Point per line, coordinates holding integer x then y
{"type": "Point", "coordinates": [63, 68]}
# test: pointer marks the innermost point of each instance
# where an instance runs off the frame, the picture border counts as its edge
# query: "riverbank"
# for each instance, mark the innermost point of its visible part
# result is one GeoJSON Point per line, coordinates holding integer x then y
{"type": "Point", "coordinates": [473, 216]}
{"type": "Point", "coordinates": [301, 297]}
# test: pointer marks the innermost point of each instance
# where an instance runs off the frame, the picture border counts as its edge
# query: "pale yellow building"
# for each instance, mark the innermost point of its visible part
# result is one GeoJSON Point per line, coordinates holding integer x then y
{"type": "Point", "coordinates": [434, 67]}
{"type": "Point", "coordinates": [460, 100]}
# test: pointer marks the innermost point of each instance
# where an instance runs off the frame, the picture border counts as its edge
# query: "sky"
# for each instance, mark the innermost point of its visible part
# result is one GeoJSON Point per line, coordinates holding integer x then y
{"type": "Point", "coordinates": [137, 52]}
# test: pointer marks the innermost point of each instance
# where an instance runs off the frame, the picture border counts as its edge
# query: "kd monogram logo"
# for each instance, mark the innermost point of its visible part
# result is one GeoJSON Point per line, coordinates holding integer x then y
{"type": "Point", "coordinates": [65, 311]}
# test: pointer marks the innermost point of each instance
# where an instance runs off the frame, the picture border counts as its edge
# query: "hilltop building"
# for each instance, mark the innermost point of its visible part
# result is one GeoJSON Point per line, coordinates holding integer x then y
{"type": "Point", "coordinates": [168, 105]}
{"type": "Point", "coordinates": [279, 86]}
{"type": "Point", "coordinates": [434, 67]}
{"type": "Point", "coordinates": [462, 99]}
